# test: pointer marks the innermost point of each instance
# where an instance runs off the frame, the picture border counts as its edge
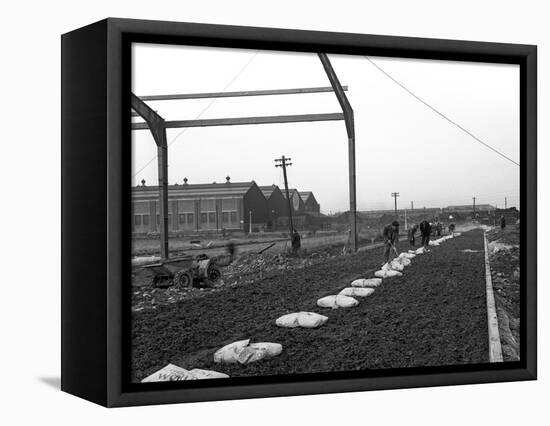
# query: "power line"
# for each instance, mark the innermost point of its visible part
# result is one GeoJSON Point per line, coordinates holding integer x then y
{"type": "Point", "coordinates": [203, 110]}
{"type": "Point", "coordinates": [440, 113]}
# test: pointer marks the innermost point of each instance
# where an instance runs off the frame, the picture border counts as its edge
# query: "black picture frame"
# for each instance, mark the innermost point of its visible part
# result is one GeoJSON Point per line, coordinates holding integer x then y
{"type": "Point", "coordinates": [95, 191]}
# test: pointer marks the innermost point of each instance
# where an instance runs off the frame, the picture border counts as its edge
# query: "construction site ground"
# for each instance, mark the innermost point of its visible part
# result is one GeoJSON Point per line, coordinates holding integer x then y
{"type": "Point", "coordinates": [435, 314]}
{"type": "Point", "coordinates": [504, 255]}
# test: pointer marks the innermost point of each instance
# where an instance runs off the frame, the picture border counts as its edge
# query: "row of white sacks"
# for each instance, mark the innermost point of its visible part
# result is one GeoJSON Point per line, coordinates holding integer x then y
{"type": "Point", "coordinates": [241, 352]}
{"type": "Point", "coordinates": [244, 352]}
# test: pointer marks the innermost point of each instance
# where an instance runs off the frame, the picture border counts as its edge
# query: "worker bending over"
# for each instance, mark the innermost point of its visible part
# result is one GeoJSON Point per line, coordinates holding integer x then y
{"type": "Point", "coordinates": [391, 239]}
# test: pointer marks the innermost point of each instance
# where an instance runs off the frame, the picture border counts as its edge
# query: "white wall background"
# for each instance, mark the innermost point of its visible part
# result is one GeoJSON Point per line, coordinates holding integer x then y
{"type": "Point", "coordinates": [30, 175]}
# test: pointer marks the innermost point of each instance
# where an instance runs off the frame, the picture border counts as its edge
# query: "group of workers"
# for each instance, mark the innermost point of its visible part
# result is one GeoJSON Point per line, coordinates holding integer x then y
{"type": "Point", "coordinates": [391, 235]}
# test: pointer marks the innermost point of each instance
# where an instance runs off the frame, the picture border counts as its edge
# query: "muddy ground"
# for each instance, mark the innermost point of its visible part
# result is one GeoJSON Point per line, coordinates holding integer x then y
{"type": "Point", "coordinates": [434, 315]}
{"type": "Point", "coordinates": [505, 272]}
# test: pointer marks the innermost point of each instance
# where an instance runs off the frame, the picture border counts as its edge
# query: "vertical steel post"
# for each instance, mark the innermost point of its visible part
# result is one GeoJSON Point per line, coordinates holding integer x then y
{"type": "Point", "coordinates": [350, 128]}
{"type": "Point", "coordinates": [158, 131]}
{"type": "Point", "coordinates": [162, 153]}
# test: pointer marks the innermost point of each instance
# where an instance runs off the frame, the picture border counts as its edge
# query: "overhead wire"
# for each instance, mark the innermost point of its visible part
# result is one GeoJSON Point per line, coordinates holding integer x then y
{"type": "Point", "coordinates": [442, 115]}
{"type": "Point", "coordinates": [203, 111]}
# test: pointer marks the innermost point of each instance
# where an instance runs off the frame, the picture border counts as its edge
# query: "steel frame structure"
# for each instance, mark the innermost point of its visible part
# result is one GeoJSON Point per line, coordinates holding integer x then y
{"type": "Point", "coordinates": [157, 126]}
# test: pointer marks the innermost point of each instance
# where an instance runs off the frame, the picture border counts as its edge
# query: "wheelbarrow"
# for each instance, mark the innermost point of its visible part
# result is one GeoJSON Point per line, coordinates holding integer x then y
{"type": "Point", "coordinates": [184, 271]}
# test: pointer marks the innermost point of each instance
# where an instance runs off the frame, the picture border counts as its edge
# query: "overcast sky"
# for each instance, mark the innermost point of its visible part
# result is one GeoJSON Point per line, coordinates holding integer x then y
{"type": "Point", "coordinates": [401, 145]}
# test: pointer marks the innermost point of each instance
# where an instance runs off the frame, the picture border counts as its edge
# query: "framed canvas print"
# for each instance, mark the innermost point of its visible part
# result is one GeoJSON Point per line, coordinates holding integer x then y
{"type": "Point", "coordinates": [253, 212]}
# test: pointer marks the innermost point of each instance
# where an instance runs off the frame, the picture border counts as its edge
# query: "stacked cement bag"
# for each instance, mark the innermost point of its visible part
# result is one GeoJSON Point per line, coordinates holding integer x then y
{"type": "Point", "coordinates": [367, 282]}
{"type": "Point", "coordinates": [338, 301]}
{"type": "Point", "coordinates": [409, 255]}
{"type": "Point", "coordinates": [173, 373]}
{"type": "Point", "coordinates": [401, 261]}
{"type": "Point", "coordinates": [396, 265]}
{"type": "Point", "coordinates": [357, 291]}
{"type": "Point", "coordinates": [257, 351]}
{"type": "Point", "coordinates": [301, 319]}
{"type": "Point", "coordinates": [387, 273]}
{"type": "Point", "coordinates": [244, 352]}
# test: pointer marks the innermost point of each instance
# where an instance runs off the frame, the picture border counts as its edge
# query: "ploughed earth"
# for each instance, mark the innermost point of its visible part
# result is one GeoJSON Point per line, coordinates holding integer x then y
{"type": "Point", "coordinates": [435, 314]}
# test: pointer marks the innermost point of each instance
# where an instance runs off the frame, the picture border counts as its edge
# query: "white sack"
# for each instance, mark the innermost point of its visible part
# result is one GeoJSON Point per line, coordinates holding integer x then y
{"type": "Point", "coordinates": [200, 374]}
{"type": "Point", "coordinates": [367, 282]}
{"type": "Point", "coordinates": [229, 353]}
{"type": "Point", "coordinates": [388, 273]}
{"type": "Point", "coordinates": [173, 373]}
{"type": "Point", "coordinates": [407, 255]}
{"type": "Point", "coordinates": [169, 373]}
{"type": "Point", "coordinates": [337, 301]}
{"type": "Point", "coordinates": [403, 261]}
{"type": "Point", "coordinates": [258, 351]}
{"type": "Point", "coordinates": [396, 265]}
{"type": "Point", "coordinates": [245, 352]}
{"type": "Point", "coordinates": [356, 291]}
{"type": "Point", "coordinates": [420, 250]}
{"type": "Point", "coordinates": [301, 319]}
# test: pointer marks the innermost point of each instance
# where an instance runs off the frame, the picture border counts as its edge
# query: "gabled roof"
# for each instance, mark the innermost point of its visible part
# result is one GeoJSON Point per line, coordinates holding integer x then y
{"type": "Point", "coordinates": [291, 192]}
{"type": "Point", "coordinates": [268, 190]}
{"type": "Point", "coordinates": [200, 190]}
{"type": "Point", "coordinates": [306, 194]}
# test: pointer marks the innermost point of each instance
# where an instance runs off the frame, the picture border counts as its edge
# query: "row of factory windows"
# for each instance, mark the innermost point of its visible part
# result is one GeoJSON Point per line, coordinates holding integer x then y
{"type": "Point", "coordinates": [189, 218]}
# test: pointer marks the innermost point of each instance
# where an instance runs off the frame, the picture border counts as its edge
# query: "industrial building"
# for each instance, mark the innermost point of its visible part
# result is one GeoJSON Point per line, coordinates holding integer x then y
{"type": "Point", "coordinates": [470, 208]}
{"type": "Point", "coordinates": [231, 206]}
{"type": "Point", "coordinates": [276, 202]}
{"type": "Point", "coordinates": [311, 206]}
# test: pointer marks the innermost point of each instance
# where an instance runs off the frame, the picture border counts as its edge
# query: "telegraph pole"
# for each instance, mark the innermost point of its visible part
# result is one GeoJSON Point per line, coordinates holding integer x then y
{"type": "Point", "coordinates": [284, 162]}
{"type": "Point", "coordinates": [412, 205]}
{"type": "Point", "coordinates": [505, 203]}
{"type": "Point", "coordinates": [395, 195]}
{"type": "Point", "coordinates": [474, 199]}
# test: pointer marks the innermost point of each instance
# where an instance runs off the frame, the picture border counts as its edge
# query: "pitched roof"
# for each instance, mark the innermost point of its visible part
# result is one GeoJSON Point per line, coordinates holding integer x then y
{"type": "Point", "coordinates": [200, 189]}
{"type": "Point", "coordinates": [306, 194]}
{"type": "Point", "coordinates": [291, 192]}
{"type": "Point", "coordinates": [268, 190]}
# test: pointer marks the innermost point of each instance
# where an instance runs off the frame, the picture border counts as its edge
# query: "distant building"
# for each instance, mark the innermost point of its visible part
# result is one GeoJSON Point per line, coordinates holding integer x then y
{"type": "Point", "coordinates": [298, 206]}
{"type": "Point", "coordinates": [200, 207]}
{"type": "Point", "coordinates": [276, 202]}
{"type": "Point", "coordinates": [470, 208]}
{"type": "Point", "coordinates": [194, 208]}
{"type": "Point", "coordinates": [311, 206]}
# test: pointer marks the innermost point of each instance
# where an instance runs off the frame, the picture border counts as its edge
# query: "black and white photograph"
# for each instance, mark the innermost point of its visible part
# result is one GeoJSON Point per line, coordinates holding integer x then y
{"type": "Point", "coordinates": [300, 213]}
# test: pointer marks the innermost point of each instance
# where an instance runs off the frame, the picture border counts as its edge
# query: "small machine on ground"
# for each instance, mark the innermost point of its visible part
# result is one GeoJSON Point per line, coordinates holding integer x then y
{"type": "Point", "coordinates": [184, 271]}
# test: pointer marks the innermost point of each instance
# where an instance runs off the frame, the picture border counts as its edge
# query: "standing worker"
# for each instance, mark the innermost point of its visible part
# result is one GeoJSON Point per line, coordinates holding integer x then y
{"type": "Point", "coordinates": [425, 231]}
{"type": "Point", "coordinates": [502, 222]}
{"type": "Point", "coordinates": [296, 242]}
{"type": "Point", "coordinates": [411, 233]}
{"type": "Point", "coordinates": [452, 229]}
{"type": "Point", "coordinates": [391, 239]}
